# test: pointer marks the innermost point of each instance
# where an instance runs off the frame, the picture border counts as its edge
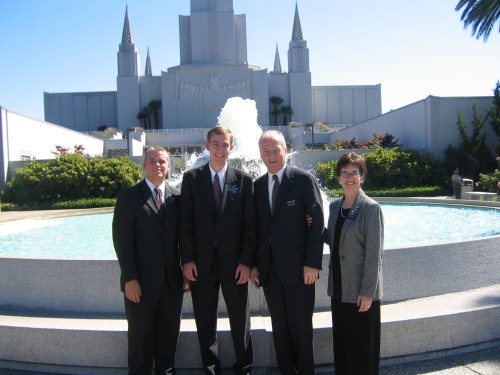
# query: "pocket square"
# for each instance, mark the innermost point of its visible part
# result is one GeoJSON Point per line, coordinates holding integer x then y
{"type": "Point", "coordinates": [291, 203]}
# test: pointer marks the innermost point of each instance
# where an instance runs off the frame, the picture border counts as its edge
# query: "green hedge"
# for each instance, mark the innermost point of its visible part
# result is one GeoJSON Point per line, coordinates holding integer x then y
{"type": "Point", "coordinates": [426, 191]}
{"type": "Point", "coordinates": [68, 178]}
{"type": "Point", "coordinates": [395, 168]}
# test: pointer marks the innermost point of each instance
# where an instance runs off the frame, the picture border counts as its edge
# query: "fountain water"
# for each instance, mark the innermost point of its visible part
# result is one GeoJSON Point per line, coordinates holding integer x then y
{"type": "Point", "coordinates": [240, 116]}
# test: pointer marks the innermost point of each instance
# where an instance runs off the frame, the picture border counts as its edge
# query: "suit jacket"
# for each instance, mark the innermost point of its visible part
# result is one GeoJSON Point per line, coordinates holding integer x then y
{"type": "Point", "coordinates": [360, 249]}
{"type": "Point", "coordinates": [146, 239]}
{"type": "Point", "coordinates": [233, 231]}
{"type": "Point", "coordinates": [294, 244]}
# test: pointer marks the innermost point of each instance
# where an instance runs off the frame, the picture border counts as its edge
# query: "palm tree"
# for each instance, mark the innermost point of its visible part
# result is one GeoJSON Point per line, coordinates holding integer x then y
{"type": "Point", "coordinates": [481, 15]}
{"type": "Point", "coordinates": [153, 107]}
{"type": "Point", "coordinates": [276, 101]}
{"type": "Point", "coordinates": [287, 114]}
{"type": "Point", "coordinates": [143, 116]}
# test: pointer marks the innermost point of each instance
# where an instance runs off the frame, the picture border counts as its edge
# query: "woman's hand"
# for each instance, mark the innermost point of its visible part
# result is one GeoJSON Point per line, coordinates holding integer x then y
{"type": "Point", "coordinates": [364, 303]}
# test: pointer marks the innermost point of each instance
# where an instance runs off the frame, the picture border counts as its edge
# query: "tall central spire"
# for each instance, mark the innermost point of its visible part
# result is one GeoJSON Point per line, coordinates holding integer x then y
{"type": "Point", "coordinates": [212, 34]}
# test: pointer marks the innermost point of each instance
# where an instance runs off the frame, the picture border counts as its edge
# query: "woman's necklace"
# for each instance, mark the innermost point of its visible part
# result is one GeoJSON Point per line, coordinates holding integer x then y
{"type": "Point", "coordinates": [341, 209]}
{"type": "Point", "coordinates": [342, 214]}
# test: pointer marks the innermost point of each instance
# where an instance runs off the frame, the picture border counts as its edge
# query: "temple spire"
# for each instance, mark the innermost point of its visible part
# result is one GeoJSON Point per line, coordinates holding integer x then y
{"type": "Point", "coordinates": [277, 62]}
{"type": "Point", "coordinates": [297, 29]}
{"type": "Point", "coordinates": [127, 34]}
{"type": "Point", "coordinates": [149, 70]}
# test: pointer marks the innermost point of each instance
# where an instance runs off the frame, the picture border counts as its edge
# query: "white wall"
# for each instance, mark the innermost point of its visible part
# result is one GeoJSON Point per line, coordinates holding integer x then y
{"type": "Point", "coordinates": [81, 111]}
{"type": "Point", "coordinates": [23, 137]}
{"type": "Point", "coordinates": [427, 125]}
{"type": "Point", "coordinates": [346, 104]}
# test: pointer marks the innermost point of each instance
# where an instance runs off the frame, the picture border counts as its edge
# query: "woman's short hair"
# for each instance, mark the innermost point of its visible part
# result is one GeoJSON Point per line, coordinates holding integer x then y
{"type": "Point", "coordinates": [351, 158]}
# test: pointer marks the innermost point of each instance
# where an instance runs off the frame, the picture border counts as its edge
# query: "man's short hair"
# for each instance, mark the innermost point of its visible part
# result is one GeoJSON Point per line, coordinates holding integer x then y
{"type": "Point", "coordinates": [276, 135]}
{"type": "Point", "coordinates": [156, 148]}
{"type": "Point", "coordinates": [220, 130]}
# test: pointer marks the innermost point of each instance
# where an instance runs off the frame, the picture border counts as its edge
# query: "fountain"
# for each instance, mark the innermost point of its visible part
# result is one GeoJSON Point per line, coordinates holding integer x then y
{"type": "Point", "coordinates": [66, 315]}
{"type": "Point", "coordinates": [240, 116]}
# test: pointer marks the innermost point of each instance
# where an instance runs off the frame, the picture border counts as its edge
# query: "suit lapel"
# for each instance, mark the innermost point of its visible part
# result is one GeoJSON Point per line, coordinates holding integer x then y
{"type": "Point", "coordinates": [285, 185]}
{"type": "Point", "coordinates": [350, 222]}
{"type": "Point", "coordinates": [207, 189]}
{"type": "Point", "coordinates": [147, 196]}
{"type": "Point", "coordinates": [229, 180]}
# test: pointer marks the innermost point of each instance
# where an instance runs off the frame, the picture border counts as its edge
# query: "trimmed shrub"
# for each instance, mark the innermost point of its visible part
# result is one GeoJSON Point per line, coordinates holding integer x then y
{"type": "Point", "coordinates": [70, 177]}
{"type": "Point", "coordinates": [392, 168]}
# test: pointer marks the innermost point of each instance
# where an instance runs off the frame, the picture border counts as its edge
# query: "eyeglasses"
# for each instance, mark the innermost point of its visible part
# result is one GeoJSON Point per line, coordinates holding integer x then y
{"type": "Point", "coordinates": [347, 174]}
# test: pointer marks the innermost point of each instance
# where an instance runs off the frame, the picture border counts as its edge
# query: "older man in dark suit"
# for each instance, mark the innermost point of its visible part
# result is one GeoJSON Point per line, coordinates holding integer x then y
{"type": "Point", "coordinates": [289, 253]}
{"type": "Point", "coordinates": [218, 242]}
{"type": "Point", "coordinates": [145, 236]}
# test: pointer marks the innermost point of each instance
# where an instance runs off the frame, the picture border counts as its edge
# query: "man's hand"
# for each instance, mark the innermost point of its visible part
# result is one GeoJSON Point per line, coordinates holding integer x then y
{"type": "Point", "coordinates": [133, 291]}
{"type": "Point", "coordinates": [310, 275]}
{"type": "Point", "coordinates": [186, 285]}
{"type": "Point", "coordinates": [254, 277]}
{"type": "Point", "coordinates": [190, 271]}
{"type": "Point", "coordinates": [242, 274]}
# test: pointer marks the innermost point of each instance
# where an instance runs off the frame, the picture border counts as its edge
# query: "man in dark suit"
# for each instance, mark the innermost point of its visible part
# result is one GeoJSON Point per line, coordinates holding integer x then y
{"type": "Point", "coordinates": [145, 236]}
{"type": "Point", "coordinates": [218, 242]}
{"type": "Point", "coordinates": [289, 253]}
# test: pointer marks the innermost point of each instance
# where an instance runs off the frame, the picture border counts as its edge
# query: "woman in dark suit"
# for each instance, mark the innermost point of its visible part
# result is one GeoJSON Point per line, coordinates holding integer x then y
{"type": "Point", "coordinates": [356, 236]}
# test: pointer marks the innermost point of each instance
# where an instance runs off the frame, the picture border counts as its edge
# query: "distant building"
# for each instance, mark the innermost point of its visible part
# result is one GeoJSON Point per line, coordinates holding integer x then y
{"type": "Point", "coordinates": [213, 67]}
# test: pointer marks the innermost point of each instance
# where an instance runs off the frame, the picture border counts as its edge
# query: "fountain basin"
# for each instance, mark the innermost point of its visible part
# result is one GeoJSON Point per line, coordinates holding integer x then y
{"type": "Point", "coordinates": [57, 318]}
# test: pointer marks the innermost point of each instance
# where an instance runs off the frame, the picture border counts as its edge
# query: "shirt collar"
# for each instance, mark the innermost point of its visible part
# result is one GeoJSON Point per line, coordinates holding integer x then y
{"type": "Point", "coordinates": [153, 187]}
{"type": "Point", "coordinates": [221, 173]}
{"type": "Point", "coordinates": [279, 174]}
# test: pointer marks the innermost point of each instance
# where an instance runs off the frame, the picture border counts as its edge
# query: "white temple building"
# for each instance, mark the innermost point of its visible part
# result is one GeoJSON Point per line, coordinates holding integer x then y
{"type": "Point", "coordinates": [213, 67]}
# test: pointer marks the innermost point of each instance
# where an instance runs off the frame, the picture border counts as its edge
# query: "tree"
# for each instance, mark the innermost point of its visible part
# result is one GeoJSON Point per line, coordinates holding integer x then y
{"type": "Point", "coordinates": [153, 107]}
{"type": "Point", "coordinates": [287, 114]}
{"type": "Point", "coordinates": [143, 116]}
{"type": "Point", "coordinates": [473, 154]}
{"type": "Point", "coordinates": [481, 15]}
{"type": "Point", "coordinates": [276, 101]}
{"type": "Point", "coordinates": [494, 115]}
{"type": "Point", "coordinates": [389, 141]}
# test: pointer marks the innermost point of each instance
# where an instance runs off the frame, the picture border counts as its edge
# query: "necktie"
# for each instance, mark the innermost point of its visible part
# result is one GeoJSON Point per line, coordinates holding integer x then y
{"type": "Point", "coordinates": [159, 197]}
{"type": "Point", "coordinates": [275, 191]}
{"type": "Point", "coordinates": [217, 192]}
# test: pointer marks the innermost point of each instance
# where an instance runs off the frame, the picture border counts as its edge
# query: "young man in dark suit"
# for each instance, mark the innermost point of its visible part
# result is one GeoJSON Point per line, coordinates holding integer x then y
{"type": "Point", "coordinates": [218, 242]}
{"type": "Point", "coordinates": [289, 253]}
{"type": "Point", "coordinates": [145, 236]}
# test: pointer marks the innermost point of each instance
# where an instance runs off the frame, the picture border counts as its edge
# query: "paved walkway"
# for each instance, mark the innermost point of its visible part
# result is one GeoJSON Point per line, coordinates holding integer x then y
{"type": "Point", "coordinates": [485, 361]}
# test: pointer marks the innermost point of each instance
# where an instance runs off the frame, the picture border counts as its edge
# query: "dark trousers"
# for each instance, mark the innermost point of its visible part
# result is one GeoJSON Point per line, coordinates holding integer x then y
{"type": "Point", "coordinates": [291, 309]}
{"type": "Point", "coordinates": [205, 295]}
{"type": "Point", "coordinates": [153, 331]}
{"type": "Point", "coordinates": [356, 338]}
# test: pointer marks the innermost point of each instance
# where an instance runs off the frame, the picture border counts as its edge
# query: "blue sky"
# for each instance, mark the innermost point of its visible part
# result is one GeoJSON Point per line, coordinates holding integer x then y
{"type": "Point", "coordinates": [412, 48]}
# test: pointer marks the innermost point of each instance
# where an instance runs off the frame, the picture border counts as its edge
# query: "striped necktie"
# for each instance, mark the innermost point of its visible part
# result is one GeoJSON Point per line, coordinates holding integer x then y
{"type": "Point", "coordinates": [159, 198]}
{"type": "Point", "coordinates": [217, 192]}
